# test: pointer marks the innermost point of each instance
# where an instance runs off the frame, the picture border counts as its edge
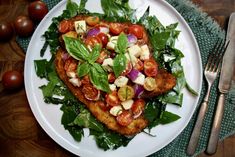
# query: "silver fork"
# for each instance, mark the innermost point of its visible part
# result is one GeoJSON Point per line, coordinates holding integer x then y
{"type": "Point", "coordinates": [211, 70]}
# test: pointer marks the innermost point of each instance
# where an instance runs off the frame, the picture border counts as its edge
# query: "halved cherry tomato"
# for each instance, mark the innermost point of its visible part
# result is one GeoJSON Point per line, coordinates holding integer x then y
{"type": "Point", "coordinates": [103, 55]}
{"type": "Point", "coordinates": [138, 107]}
{"type": "Point", "coordinates": [125, 118]}
{"type": "Point", "coordinates": [112, 98]}
{"type": "Point", "coordinates": [126, 93]}
{"type": "Point", "coordinates": [90, 92]}
{"type": "Point", "coordinates": [86, 80]}
{"type": "Point", "coordinates": [92, 20]}
{"type": "Point", "coordinates": [136, 30]}
{"type": "Point", "coordinates": [116, 28]}
{"type": "Point", "coordinates": [102, 105]}
{"type": "Point", "coordinates": [65, 26]}
{"type": "Point", "coordinates": [92, 41]}
{"type": "Point", "coordinates": [139, 65]}
{"type": "Point", "coordinates": [128, 69]}
{"type": "Point", "coordinates": [104, 38]}
{"type": "Point", "coordinates": [70, 65]}
{"type": "Point", "coordinates": [150, 67]}
{"type": "Point", "coordinates": [111, 77]}
{"type": "Point", "coordinates": [150, 84]}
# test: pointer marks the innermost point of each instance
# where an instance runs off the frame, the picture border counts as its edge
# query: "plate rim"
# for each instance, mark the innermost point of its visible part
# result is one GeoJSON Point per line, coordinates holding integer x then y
{"type": "Point", "coordinates": [51, 133]}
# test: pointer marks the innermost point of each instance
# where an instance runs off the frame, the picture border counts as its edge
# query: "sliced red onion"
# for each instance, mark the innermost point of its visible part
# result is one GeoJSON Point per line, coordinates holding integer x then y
{"type": "Point", "coordinates": [93, 32]}
{"type": "Point", "coordinates": [138, 90]}
{"type": "Point", "coordinates": [132, 39]}
{"type": "Point", "coordinates": [104, 30]}
{"type": "Point", "coordinates": [133, 74]}
{"type": "Point", "coordinates": [65, 56]}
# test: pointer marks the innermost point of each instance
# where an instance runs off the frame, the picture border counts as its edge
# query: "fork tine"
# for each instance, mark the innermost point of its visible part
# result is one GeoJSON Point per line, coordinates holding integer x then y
{"type": "Point", "coordinates": [213, 54]}
{"type": "Point", "coordinates": [220, 57]}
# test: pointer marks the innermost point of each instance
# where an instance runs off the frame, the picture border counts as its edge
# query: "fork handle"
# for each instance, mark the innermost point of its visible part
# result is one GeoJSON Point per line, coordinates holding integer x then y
{"type": "Point", "coordinates": [197, 129]}
{"type": "Point", "coordinates": [214, 136]}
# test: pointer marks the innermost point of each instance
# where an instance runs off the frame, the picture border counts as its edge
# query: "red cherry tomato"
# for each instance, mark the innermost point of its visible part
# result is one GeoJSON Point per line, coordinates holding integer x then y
{"type": "Point", "coordinates": [125, 118]}
{"type": "Point", "coordinates": [65, 26]}
{"type": "Point", "coordinates": [138, 107]}
{"type": "Point", "coordinates": [139, 65]}
{"type": "Point", "coordinates": [103, 55]}
{"type": "Point", "coordinates": [136, 30]}
{"type": "Point", "coordinates": [102, 105]}
{"type": "Point", "coordinates": [111, 77]}
{"type": "Point", "coordinates": [128, 69]}
{"type": "Point", "coordinates": [150, 67]}
{"type": "Point", "coordinates": [92, 20]}
{"type": "Point", "coordinates": [12, 80]}
{"type": "Point", "coordinates": [6, 31]}
{"type": "Point", "coordinates": [104, 38]}
{"type": "Point", "coordinates": [112, 98]}
{"type": "Point", "coordinates": [92, 41]}
{"type": "Point", "coordinates": [86, 80]}
{"type": "Point", "coordinates": [116, 28]}
{"type": "Point", "coordinates": [24, 26]}
{"type": "Point", "coordinates": [37, 10]}
{"type": "Point", "coordinates": [70, 65]}
{"type": "Point", "coordinates": [90, 92]}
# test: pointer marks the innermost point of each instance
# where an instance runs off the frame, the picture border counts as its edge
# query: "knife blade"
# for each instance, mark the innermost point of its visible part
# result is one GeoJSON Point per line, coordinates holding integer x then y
{"type": "Point", "coordinates": [225, 80]}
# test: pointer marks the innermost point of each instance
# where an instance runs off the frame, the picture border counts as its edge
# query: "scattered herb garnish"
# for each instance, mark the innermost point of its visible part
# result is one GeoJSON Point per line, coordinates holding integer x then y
{"type": "Point", "coordinates": [96, 73]}
{"type": "Point", "coordinates": [119, 62]}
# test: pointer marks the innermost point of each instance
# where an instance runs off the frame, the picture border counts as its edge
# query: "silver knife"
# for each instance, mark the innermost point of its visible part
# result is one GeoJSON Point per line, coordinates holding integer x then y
{"type": "Point", "coordinates": [224, 85]}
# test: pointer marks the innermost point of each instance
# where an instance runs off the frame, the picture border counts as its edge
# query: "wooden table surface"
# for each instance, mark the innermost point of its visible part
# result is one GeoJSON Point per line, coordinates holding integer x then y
{"type": "Point", "coordinates": [20, 134]}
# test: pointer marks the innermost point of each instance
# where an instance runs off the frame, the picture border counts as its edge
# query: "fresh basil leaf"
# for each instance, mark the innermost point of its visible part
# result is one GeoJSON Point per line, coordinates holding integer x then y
{"type": "Point", "coordinates": [94, 55]}
{"type": "Point", "coordinates": [72, 7]}
{"type": "Point", "coordinates": [168, 117]}
{"type": "Point", "coordinates": [83, 69]}
{"type": "Point", "coordinates": [119, 64]}
{"type": "Point", "coordinates": [76, 48]}
{"type": "Point", "coordinates": [122, 43]}
{"type": "Point", "coordinates": [85, 119]}
{"type": "Point", "coordinates": [99, 78]}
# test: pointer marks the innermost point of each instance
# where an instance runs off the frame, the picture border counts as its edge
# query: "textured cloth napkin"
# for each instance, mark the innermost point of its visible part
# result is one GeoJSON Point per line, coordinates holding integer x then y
{"type": "Point", "coordinates": [206, 32]}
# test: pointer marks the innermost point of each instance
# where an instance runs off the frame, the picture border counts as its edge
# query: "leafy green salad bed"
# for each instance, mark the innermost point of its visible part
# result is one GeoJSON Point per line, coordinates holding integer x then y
{"type": "Point", "coordinates": [75, 116]}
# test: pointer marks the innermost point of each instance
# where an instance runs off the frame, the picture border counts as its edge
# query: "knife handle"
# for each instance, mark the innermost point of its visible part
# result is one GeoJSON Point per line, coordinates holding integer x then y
{"type": "Point", "coordinates": [197, 129]}
{"type": "Point", "coordinates": [214, 136]}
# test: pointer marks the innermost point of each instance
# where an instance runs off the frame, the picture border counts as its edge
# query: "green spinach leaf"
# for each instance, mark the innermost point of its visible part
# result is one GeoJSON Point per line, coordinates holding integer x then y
{"type": "Point", "coordinates": [110, 140]}
{"type": "Point", "coordinates": [168, 117]}
{"type": "Point", "coordinates": [72, 8]}
{"type": "Point", "coordinates": [86, 120]}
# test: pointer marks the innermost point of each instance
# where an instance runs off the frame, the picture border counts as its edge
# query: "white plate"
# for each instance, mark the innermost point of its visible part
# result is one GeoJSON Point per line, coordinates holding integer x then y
{"type": "Point", "coordinates": [49, 116]}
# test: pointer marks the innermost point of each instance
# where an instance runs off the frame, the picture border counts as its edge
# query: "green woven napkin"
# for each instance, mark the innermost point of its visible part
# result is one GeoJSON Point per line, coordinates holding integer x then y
{"type": "Point", "coordinates": [206, 32]}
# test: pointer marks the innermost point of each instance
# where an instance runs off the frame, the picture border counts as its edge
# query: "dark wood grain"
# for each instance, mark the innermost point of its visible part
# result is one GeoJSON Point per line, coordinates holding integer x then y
{"type": "Point", "coordinates": [20, 134]}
